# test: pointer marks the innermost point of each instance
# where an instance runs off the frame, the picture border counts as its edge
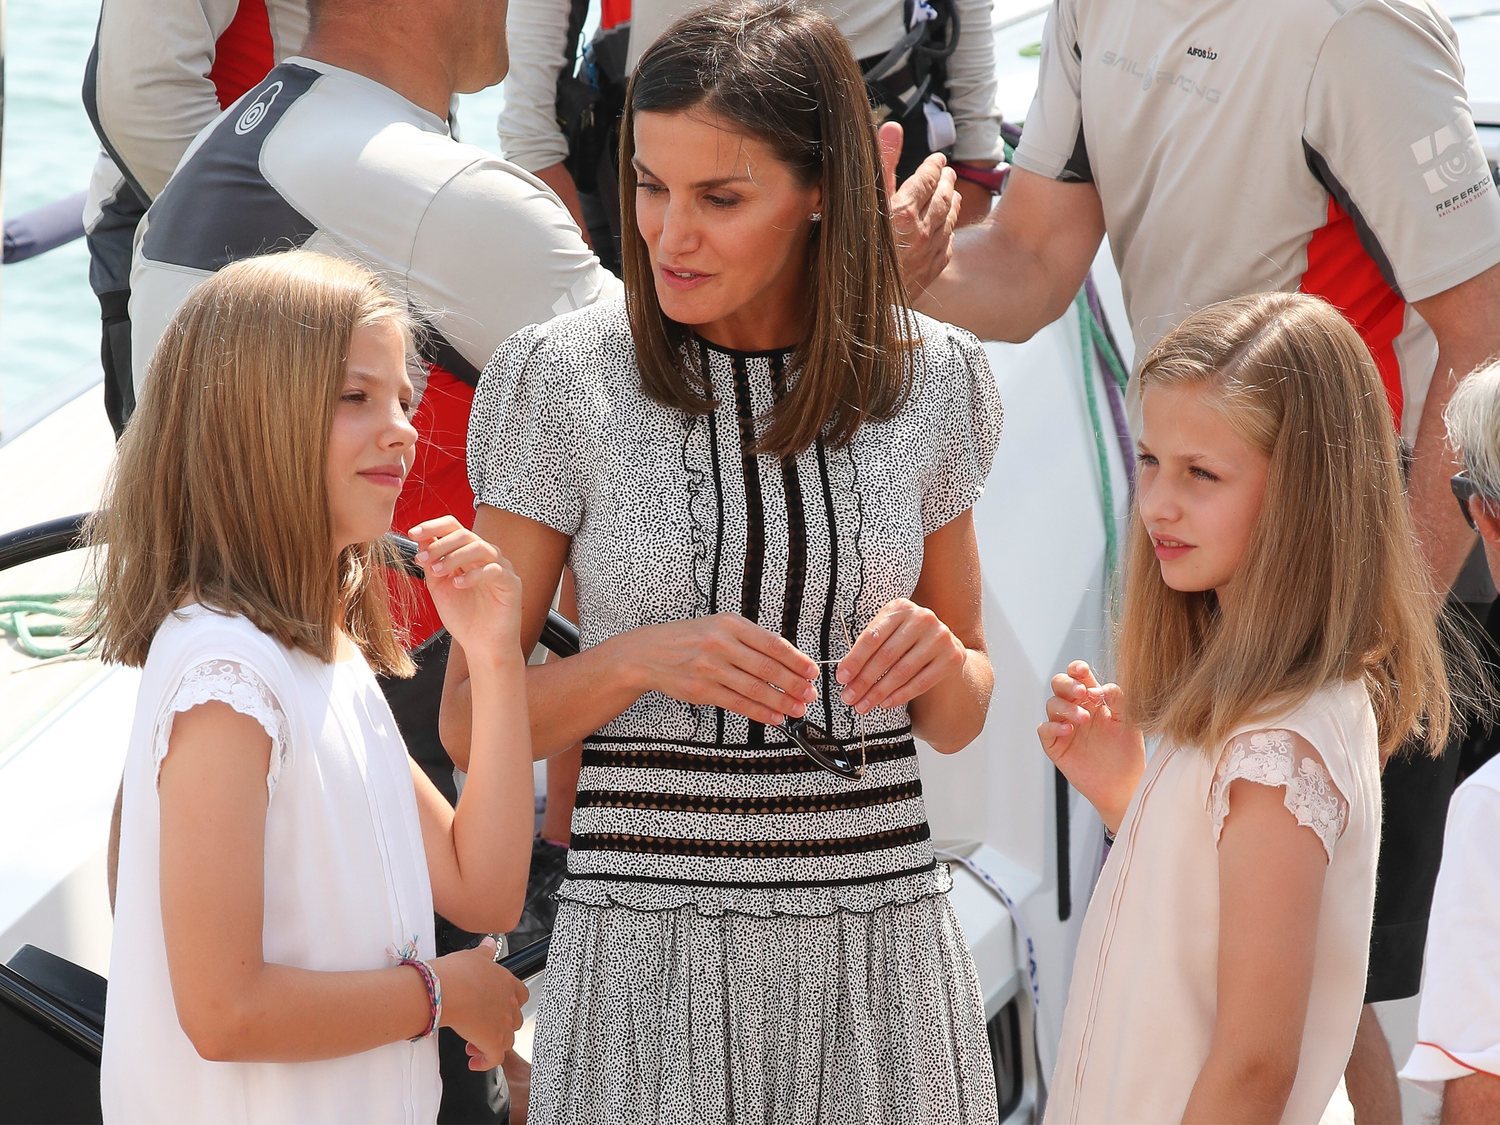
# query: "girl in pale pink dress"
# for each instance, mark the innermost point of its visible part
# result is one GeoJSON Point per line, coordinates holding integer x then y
{"type": "Point", "coordinates": [1274, 602]}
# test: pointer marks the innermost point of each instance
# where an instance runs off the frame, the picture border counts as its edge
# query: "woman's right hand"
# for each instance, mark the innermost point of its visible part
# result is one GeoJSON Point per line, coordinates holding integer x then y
{"type": "Point", "coordinates": [1100, 754]}
{"type": "Point", "coordinates": [481, 1002]}
{"type": "Point", "coordinates": [725, 661]}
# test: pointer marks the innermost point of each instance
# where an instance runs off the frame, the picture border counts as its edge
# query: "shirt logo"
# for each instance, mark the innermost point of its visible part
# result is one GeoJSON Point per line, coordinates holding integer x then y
{"type": "Point", "coordinates": [1153, 78]}
{"type": "Point", "coordinates": [256, 111]}
{"type": "Point", "coordinates": [1203, 53]}
{"type": "Point", "coordinates": [1449, 158]}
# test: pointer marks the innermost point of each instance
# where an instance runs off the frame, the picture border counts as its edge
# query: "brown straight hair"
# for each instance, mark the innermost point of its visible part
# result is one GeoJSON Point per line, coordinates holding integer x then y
{"type": "Point", "coordinates": [218, 494]}
{"type": "Point", "coordinates": [783, 74]}
{"type": "Point", "coordinates": [1331, 586]}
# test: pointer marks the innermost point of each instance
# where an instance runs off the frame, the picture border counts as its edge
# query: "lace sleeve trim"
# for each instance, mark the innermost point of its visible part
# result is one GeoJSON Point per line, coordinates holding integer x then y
{"type": "Point", "coordinates": [239, 686]}
{"type": "Point", "coordinates": [1273, 758]}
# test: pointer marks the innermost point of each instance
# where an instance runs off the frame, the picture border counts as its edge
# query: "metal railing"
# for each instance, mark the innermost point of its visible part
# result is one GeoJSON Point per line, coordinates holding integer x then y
{"type": "Point", "coordinates": [39, 1002]}
{"type": "Point", "coordinates": [46, 228]}
{"type": "Point", "coordinates": [53, 537]}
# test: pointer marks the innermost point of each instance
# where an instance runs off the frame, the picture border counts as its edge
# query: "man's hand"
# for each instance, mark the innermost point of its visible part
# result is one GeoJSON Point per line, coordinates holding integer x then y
{"type": "Point", "coordinates": [924, 211]}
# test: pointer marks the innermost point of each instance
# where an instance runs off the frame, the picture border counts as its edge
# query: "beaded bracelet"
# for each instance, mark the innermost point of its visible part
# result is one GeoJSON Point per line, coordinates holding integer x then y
{"type": "Point", "coordinates": [407, 955]}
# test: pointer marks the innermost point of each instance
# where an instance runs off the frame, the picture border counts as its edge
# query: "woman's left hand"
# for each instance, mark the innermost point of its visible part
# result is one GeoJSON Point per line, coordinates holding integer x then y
{"type": "Point", "coordinates": [903, 653]}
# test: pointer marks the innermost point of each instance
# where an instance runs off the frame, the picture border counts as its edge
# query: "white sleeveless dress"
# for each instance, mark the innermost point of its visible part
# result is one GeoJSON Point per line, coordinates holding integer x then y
{"type": "Point", "coordinates": [345, 880]}
{"type": "Point", "coordinates": [1141, 1005]}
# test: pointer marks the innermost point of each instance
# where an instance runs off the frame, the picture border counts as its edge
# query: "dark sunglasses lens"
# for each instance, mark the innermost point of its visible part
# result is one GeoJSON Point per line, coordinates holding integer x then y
{"type": "Point", "coordinates": [1463, 491]}
{"type": "Point", "coordinates": [822, 748]}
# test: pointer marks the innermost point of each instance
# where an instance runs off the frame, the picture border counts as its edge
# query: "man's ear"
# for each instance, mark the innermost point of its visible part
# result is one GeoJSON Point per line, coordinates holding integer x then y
{"type": "Point", "coordinates": [1486, 515]}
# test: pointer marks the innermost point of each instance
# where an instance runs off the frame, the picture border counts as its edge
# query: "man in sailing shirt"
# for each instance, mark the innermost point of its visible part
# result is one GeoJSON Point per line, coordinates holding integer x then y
{"type": "Point", "coordinates": [1237, 147]}
{"type": "Point", "coordinates": [345, 149]}
{"type": "Point", "coordinates": [159, 72]}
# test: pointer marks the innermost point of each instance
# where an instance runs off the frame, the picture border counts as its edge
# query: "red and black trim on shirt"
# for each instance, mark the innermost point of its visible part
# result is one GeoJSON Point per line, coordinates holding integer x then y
{"type": "Point", "coordinates": [1348, 268]}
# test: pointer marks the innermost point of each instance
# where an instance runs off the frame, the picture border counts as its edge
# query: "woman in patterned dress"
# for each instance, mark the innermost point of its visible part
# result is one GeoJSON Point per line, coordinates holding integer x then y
{"type": "Point", "coordinates": [760, 467]}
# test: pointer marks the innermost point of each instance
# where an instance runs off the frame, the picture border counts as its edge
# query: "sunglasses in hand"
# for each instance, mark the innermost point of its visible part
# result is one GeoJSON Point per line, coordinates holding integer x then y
{"type": "Point", "coordinates": [822, 747]}
{"type": "Point", "coordinates": [826, 750]}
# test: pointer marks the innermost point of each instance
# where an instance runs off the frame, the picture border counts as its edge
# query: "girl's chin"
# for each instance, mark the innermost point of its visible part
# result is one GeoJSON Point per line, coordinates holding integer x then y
{"type": "Point", "coordinates": [359, 537]}
{"type": "Point", "coordinates": [1183, 585]}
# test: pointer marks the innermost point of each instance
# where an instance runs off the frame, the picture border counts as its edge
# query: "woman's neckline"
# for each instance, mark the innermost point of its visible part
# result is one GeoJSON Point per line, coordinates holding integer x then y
{"type": "Point", "coordinates": [742, 353]}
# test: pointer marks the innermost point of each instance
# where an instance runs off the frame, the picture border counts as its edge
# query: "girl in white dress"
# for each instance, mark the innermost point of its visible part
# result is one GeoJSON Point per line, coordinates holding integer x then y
{"type": "Point", "coordinates": [280, 856]}
{"type": "Point", "coordinates": [1278, 640]}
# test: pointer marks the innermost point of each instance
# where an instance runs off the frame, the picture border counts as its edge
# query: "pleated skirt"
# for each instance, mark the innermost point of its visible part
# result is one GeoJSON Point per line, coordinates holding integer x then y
{"type": "Point", "coordinates": [674, 1017]}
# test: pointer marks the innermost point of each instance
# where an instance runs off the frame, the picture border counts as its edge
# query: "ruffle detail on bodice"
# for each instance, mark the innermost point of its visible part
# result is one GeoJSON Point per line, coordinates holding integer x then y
{"type": "Point", "coordinates": [761, 902]}
{"type": "Point", "coordinates": [700, 506]}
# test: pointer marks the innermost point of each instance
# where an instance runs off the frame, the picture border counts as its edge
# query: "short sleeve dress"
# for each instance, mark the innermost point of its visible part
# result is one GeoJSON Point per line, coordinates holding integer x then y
{"type": "Point", "coordinates": [1140, 1013]}
{"type": "Point", "coordinates": [346, 880]}
{"type": "Point", "coordinates": [741, 935]}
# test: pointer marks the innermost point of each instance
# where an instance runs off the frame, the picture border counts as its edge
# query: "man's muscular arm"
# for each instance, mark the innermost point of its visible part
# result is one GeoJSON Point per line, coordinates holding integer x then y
{"type": "Point", "coordinates": [1466, 321]}
{"type": "Point", "coordinates": [1018, 271]}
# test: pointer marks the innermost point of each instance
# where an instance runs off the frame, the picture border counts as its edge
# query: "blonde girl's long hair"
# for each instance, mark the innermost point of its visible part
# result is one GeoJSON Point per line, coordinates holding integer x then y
{"type": "Point", "coordinates": [1331, 586]}
{"type": "Point", "coordinates": [218, 493]}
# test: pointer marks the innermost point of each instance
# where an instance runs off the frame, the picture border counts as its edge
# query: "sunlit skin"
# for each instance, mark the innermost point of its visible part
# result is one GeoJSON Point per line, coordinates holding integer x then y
{"type": "Point", "coordinates": [371, 440]}
{"type": "Point", "coordinates": [1199, 488]}
{"type": "Point", "coordinates": [488, 58]}
{"type": "Point", "coordinates": [727, 227]}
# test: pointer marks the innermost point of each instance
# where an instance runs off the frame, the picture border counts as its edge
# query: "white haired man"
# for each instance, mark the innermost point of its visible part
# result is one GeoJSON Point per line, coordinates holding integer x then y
{"type": "Point", "coordinates": [1457, 1053]}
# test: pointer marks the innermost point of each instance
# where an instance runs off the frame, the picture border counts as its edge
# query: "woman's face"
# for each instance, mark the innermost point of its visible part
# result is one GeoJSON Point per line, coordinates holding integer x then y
{"type": "Point", "coordinates": [370, 444]}
{"type": "Point", "coordinates": [726, 226]}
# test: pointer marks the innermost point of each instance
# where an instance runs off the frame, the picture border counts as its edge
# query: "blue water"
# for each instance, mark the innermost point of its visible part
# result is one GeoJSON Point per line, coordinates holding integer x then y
{"type": "Point", "coordinates": [49, 320]}
{"type": "Point", "coordinates": [48, 317]}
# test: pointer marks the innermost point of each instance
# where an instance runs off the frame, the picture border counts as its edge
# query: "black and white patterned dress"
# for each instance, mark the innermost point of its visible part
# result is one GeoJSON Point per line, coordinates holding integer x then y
{"type": "Point", "coordinates": [742, 935]}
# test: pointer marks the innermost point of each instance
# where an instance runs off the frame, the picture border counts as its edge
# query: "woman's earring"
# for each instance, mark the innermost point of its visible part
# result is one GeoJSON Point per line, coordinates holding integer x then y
{"type": "Point", "coordinates": [816, 217]}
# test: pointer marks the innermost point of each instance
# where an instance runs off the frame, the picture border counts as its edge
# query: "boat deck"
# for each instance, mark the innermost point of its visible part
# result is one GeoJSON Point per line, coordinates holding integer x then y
{"type": "Point", "coordinates": [59, 762]}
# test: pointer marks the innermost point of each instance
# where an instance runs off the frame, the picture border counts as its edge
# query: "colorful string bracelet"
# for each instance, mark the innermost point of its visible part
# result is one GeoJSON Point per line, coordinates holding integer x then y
{"type": "Point", "coordinates": [407, 955]}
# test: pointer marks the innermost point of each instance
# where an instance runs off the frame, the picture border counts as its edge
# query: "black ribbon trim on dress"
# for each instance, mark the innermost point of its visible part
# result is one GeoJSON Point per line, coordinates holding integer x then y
{"type": "Point", "coordinates": [754, 765]}
{"type": "Point", "coordinates": [758, 884]}
{"type": "Point", "coordinates": [747, 806]}
{"type": "Point", "coordinates": [645, 740]}
{"type": "Point", "coordinates": [755, 512]}
{"type": "Point", "coordinates": [749, 849]}
{"type": "Point", "coordinates": [825, 630]}
{"type": "Point", "coordinates": [796, 544]}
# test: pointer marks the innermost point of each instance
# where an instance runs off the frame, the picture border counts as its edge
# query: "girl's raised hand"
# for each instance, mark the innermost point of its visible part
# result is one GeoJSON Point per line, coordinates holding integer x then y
{"type": "Point", "coordinates": [477, 593]}
{"type": "Point", "coordinates": [481, 1002]}
{"type": "Point", "coordinates": [902, 653]}
{"type": "Point", "coordinates": [1100, 754]}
